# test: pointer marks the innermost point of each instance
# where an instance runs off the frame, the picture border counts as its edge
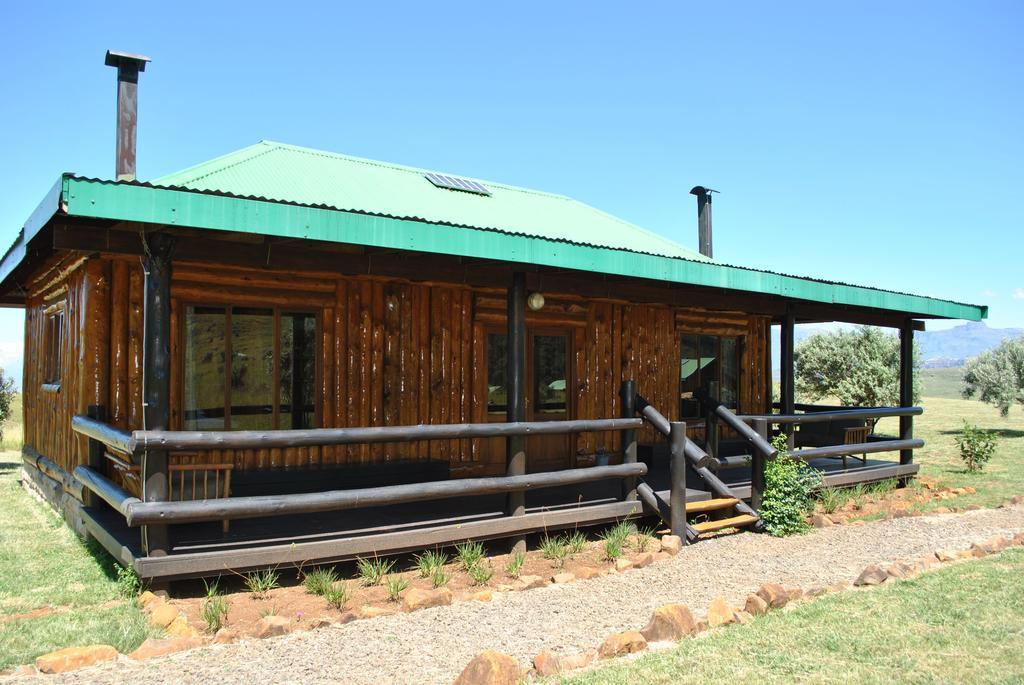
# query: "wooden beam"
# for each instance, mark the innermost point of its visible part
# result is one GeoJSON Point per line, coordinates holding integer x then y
{"type": "Point", "coordinates": [156, 379]}
{"type": "Point", "coordinates": [338, 549]}
{"type": "Point", "coordinates": [677, 479]}
{"type": "Point", "coordinates": [907, 387]}
{"type": "Point", "coordinates": [788, 378]}
{"type": "Point", "coordinates": [515, 384]}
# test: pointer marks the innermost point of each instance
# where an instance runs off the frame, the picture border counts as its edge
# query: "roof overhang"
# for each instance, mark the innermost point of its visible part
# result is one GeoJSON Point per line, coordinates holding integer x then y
{"type": "Point", "coordinates": [138, 202]}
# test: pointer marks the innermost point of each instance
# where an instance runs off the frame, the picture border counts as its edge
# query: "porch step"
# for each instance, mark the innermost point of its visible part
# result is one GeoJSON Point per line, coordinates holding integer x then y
{"type": "Point", "coordinates": [710, 505]}
{"type": "Point", "coordinates": [733, 522]}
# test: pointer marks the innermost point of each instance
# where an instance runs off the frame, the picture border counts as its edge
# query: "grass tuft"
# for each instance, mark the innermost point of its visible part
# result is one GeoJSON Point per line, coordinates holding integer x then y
{"type": "Point", "coordinates": [514, 567]}
{"type": "Point", "coordinates": [320, 581]}
{"type": "Point", "coordinates": [372, 571]}
{"type": "Point", "coordinates": [338, 595]}
{"type": "Point", "coordinates": [481, 574]}
{"type": "Point", "coordinates": [215, 607]}
{"type": "Point", "coordinates": [395, 586]}
{"type": "Point", "coordinates": [469, 554]}
{"type": "Point", "coordinates": [260, 583]}
{"type": "Point", "coordinates": [429, 561]}
{"type": "Point", "coordinates": [554, 549]}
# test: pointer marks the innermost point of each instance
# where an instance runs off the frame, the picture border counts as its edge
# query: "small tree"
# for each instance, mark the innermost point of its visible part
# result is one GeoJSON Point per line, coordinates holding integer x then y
{"type": "Point", "coordinates": [7, 395]}
{"type": "Point", "coordinates": [976, 446]}
{"type": "Point", "coordinates": [860, 367]}
{"type": "Point", "coordinates": [997, 376]}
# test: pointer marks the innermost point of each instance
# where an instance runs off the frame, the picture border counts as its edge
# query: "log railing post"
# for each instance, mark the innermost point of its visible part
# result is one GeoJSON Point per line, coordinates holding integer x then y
{"type": "Point", "coordinates": [711, 420]}
{"type": "Point", "coordinates": [629, 447]}
{"type": "Point", "coordinates": [96, 453]}
{"type": "Point", "coordinates": [156, 380]}
{"type": "Point", "coordinates": [907, 386]}
{"type": "Point", "coordinates": [515, 382]}
{"type": "Point", "coordinates": [787, 384]}
{"type": "Point", "coordinates": [757, 465]}
{"type": "Point", "coordinates": [677, 479]}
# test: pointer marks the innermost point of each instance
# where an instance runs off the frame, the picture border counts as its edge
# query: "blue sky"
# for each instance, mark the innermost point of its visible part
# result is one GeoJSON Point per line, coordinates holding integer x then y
{"type": "Point", "coordinates": [876, 143]}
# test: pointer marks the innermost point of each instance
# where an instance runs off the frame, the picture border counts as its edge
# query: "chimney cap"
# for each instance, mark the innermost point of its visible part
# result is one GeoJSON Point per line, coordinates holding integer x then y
{"type": "Point", "coordinates": [116, 58]}
{"type": "Point", "coordinates": [701, 190]}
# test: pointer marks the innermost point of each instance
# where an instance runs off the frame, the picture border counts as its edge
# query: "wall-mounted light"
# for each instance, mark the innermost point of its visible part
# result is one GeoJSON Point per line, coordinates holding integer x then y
{"type": "Point", "coordinates": [535, 301]}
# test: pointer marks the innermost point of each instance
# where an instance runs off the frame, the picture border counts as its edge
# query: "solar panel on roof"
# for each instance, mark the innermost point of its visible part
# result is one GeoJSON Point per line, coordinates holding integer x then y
{"type": "Point", "coordinates": [453, 183]}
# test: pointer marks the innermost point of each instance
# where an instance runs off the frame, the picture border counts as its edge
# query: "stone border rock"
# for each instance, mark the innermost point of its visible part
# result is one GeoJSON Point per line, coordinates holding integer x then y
{"type": "Point", "coordinates": [674, 622]}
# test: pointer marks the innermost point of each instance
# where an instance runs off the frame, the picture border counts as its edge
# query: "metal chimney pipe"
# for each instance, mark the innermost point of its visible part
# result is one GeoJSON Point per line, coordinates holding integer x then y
{"type": "Point", "coordinates": [128, 68]}
{"type": "Point", "coordinates": [704, 240]}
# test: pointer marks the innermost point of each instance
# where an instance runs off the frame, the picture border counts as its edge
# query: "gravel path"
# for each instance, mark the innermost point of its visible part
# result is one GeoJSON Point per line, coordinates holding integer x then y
{"type": "Point", "coordinates": [433, 645]}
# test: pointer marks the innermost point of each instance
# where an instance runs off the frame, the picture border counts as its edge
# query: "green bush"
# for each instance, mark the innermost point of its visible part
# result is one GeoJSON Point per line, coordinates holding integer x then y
{"type": "Point", "coordinates": [789, 484]}
{"type": "Point", "coordinates": [976, 446]}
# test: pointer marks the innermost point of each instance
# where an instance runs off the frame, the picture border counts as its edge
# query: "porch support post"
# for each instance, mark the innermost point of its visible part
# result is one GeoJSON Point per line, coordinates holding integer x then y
{"type": "Point", "coordinates": [907, 386]}
{"type": "Point", "coordinates": [156, 379]}
{"type": "Point", "coordinates": [677, 479]}
{"type": "Point", "coordinates": [515, 381]}
{"type": "Point", "coordinates": [628, 395]}
{"type": "Point", "coordinates": [788, 382]}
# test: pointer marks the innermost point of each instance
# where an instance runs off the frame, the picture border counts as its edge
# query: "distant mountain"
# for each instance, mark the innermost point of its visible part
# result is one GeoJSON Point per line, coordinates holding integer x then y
{"type": "Point", "coordinates": [939, 349]}
{"type": "Point", "coordinates": [954, 346]}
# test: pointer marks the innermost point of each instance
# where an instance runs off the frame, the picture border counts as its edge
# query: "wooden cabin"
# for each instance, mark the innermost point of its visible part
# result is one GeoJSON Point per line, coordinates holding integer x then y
{"type": "Point", "coordinates": [305, 327]}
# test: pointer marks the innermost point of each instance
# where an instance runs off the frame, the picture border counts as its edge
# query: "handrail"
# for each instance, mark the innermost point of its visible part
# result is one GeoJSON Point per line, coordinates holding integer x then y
{"type": "Point", "coordinates": [825, 416]}
{"type": "Point", "coordinates": [699, 457]}
{"type": "Point", "coordinates": [138, 513]}
{"type": "Point", "coordinates": [857, 448]}
{"type": "Point", "coordinates": [141, 440]}
{"type": "Point", "coordinates": [111, 436]}
{"type": "Point", "coordinates": [746, 432]}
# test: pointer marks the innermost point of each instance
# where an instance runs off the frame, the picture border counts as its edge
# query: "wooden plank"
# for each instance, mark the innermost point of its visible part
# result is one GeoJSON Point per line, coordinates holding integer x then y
{"type": "Point", "coordinates": [740, 521]}
{"type": "Point", "coordinates": [205, 563]}
{"type": "Point", "coordinates": [710, 505]}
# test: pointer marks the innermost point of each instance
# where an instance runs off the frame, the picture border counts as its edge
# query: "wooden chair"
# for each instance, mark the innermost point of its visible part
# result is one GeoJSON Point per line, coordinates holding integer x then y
{"type": "Point", "coordinates": [856, 436]}
{"type": "Point", "coordinates": [188, 482]}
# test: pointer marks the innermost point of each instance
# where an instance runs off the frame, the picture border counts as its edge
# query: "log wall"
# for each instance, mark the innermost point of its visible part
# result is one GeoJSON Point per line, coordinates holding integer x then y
{"type": "Point", "coordinates": [391, 352]}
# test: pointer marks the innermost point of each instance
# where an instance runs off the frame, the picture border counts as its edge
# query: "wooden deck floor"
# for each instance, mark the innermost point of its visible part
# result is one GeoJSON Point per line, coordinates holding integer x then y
{"type": "Point", "coordinates": [204, 549]}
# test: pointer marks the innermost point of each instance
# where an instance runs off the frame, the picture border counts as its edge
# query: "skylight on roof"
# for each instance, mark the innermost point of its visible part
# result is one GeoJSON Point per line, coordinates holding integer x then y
{"type": "Point", "coordinates": [453, 183]}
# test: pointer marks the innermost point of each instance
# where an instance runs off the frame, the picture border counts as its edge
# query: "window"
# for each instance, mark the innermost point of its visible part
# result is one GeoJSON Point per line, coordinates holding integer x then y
{"type": "Point", "coordinates": [249, 368]}
{"type": "Point", "coordinates": [705, 359]}
{"type": "Point", "coordinates": [53, 344]}
{"type": "Point", "coordinates": [547, 371]}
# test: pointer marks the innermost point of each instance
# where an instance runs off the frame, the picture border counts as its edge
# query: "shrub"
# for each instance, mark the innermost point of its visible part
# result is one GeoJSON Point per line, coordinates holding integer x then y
{"type": "Point", "coordinates": [128, 582]}
{"type": "Point", "coordinates": [614, 539]}
{"type": "Point", "coordinates": [789, 484]}
{"type": "Point", "coordinates": [338, 595]}
{"type": "Point", "coordinates": [214, 607]}
{"type": "Point", "coordinates": [976, 446]}
{"type": "Point", "coordinates": [428, 562]}
{"type": "Point", "coordinates": [371, 571]}
{"type": "Point", "coordinates": [395, 586]}
{"type": "Point", "coordinates": [612, 548]}
{"type": "Point", "coordinates": [515, 565]}
{"type": "Point", "coordinates": [470, 554]}
{"type": "Point", "coordinates": [321, 580]}
{"type": "Point", "coordinates": [7, 395]}
{"type": "Point", "coordinates": [259, 583]}
{"type": "Point", "coordinates": [832, 499]}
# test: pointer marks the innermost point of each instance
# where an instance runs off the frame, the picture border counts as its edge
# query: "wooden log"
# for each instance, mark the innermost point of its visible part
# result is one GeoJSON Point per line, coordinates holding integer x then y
{"type": "Point", "coordinates": [156, 383]}
{"type": "Point", "coordinates": [677, 478]}
{"type": "Point", "coordinates": [342, 548]}
{"type": "Point", "coordinates": [858, 448]}
{"type": "Point", "coordinates": [183, 441]}
{"type": "Point", "coordinates": [627, 393]}
{"type": "Point", "coordinates": [114, 438]}
{"type": "Point", "coordinates": [907, 387]}
{"type": "Point", "coordinates": [515, 383]}
{"type": "Point", "coordinates": [757, 467]}
{"type": "Point", "coordinates": [788, 381]}
{"type": "Point", "coordinates": [757, 442]}
{"type": "Point", "coordinates": [117, 497]}
{"type": "Point", "coordinates": [143, 513]}
{"type": "Point", "coordinates": [839, 414]}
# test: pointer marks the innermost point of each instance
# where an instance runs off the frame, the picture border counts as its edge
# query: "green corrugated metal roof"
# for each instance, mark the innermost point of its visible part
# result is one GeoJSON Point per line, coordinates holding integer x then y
{"type": "Point", "coordinates": [287, 173]}
{"type": "Point", "coordinates": [281, 190]}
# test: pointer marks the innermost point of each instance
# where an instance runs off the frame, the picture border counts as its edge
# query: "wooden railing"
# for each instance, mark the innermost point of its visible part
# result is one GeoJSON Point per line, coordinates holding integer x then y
{"type": "Point", "coordinates": [138, 512]}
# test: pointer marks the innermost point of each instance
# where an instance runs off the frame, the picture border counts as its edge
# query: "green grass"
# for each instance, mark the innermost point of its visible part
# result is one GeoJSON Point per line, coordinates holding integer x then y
{"type": "Point", "coordinates": [959, 624]}
{"type": "Point", "coordinates": [44, 566]}
{"type": "Point", "coordinates": [1002, 478]}
{"type": "Point", "coordinates": [941, 383]}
